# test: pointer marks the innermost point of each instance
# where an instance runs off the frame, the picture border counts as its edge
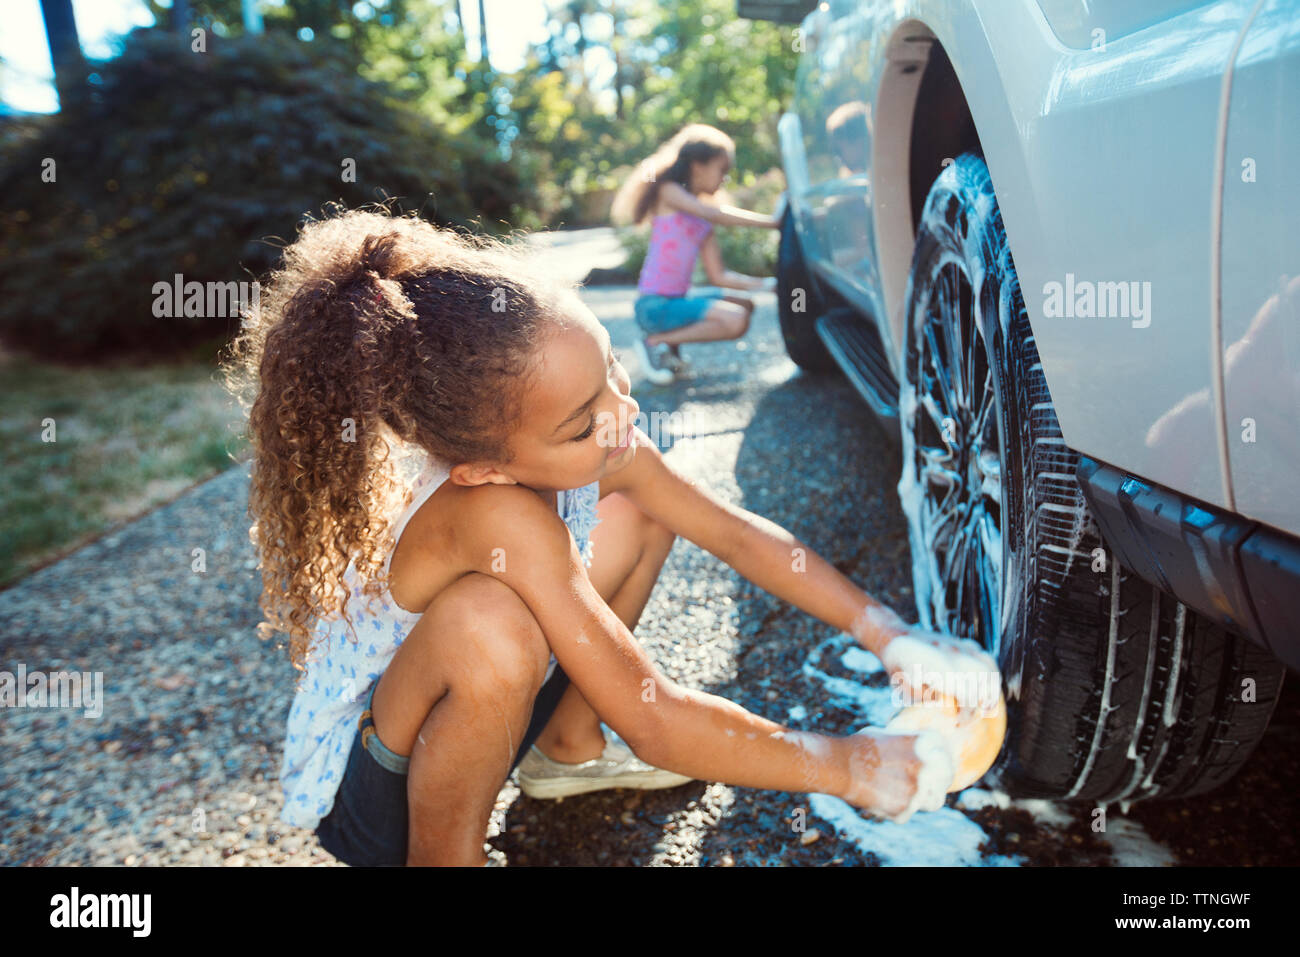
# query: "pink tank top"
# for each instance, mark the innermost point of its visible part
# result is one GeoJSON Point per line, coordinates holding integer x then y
{"type": "Point", "coordinates": [675, 242]}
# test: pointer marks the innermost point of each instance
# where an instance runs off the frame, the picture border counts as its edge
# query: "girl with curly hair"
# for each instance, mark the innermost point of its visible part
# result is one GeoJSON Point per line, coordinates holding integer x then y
{"type": "Point", "coordinates": [676, 189]}
{"type": "Point", "coordinates": [474, 613]}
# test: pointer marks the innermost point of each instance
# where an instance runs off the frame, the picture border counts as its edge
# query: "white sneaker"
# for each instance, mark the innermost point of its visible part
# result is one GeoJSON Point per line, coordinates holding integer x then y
{"type": "Point", "coordinates": [617, 767]}
{"type": "Point", "coordinates": [654, 362]}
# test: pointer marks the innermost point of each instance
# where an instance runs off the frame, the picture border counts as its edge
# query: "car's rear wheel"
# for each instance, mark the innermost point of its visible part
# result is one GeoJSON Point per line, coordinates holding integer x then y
{"type": "Point", "coordinates": [799, 304]}
{"type": "Point", "coordinates": [1115, 691]}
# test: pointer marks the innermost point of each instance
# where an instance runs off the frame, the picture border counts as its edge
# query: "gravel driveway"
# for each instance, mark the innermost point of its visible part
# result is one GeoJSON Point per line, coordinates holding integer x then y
{"type": "Point", "coordinates": [181, 766]}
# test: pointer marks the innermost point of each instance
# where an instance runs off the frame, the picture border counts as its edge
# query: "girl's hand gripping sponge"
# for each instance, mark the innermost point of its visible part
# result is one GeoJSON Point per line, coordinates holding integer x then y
{"type": "Point", "coordinates": [952, 687]}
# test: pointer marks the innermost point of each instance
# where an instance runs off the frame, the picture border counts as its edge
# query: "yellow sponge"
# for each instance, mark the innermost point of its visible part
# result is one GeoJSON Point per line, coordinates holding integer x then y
{"type": "Point", "coordinates": [974, 737]}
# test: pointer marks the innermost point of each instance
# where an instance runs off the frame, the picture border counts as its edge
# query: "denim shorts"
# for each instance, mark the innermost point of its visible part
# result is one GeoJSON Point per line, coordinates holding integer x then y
{"type": "Point", "coordinates": [665, 313]}
{"type": "Point", "coordinates": [367, 826]}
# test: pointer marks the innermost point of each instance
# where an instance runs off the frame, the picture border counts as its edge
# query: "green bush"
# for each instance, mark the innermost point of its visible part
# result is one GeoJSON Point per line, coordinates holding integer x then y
{"type": "Point", "coordinates": [169, 161]}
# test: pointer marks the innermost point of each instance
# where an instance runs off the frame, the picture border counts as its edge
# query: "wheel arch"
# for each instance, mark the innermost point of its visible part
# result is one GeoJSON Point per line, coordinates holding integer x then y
{"type": "Point", "coordinates": [928, 73]}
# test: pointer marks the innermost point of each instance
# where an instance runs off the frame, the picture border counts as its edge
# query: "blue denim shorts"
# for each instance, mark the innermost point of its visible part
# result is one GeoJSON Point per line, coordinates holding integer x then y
{"type": "Point", "coordinates": [665, 313]}
{"type": "Point", "coordinates": [367, 826]}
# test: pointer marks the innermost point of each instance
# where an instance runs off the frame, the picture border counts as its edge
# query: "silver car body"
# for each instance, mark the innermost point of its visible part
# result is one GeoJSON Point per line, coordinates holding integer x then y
{"type": "Point", "coordinates": [1140, 152]}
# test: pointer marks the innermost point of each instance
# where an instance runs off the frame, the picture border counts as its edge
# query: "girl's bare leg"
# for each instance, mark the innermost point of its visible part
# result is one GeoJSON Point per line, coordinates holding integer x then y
{"type": "Point", "coordinates": [457, 697]}
{"type": "Point", "coordinates": [728, 318]}
{"type": "Point", "coordinates": [628, 550]}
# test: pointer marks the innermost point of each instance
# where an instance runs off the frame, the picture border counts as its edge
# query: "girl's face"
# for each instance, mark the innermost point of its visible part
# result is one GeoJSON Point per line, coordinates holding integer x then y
{"type": "Point", "coordinates": [708, 177]}
{"type": "Point", "coordinates": [577, 423]}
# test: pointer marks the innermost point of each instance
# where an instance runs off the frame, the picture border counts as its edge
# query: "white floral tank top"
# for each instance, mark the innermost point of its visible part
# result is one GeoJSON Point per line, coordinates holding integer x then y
{"type": "Point", "coordinates": [328, 704]}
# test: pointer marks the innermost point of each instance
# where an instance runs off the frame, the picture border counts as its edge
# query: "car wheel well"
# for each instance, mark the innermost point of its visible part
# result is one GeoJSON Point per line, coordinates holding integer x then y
{"type": "Point", "coordinates": [922, 119]}
{"type": "Point", "coordinates": [942, 128]}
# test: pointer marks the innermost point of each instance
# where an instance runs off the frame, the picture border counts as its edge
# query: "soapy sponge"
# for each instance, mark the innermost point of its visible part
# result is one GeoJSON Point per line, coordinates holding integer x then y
{"type": "Point", "coordinates": [972, 738]}
{"type": "Point", "coordinates": [949, 685]}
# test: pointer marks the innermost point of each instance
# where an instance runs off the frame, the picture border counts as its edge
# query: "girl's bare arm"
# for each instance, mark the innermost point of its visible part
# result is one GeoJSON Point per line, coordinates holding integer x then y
{"type": "Point", "coordinates": [720, 275]}
{"type": "Point", "coordinates": [762, 551]}
{"type": "Point", "coordinates": [514, 536]}
{"type": "Point", "coordinates": [677, 196]}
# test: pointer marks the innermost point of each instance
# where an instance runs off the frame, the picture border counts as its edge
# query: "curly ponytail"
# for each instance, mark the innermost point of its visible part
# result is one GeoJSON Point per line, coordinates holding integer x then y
{"type": "Point", "coordinates": [378, 331]}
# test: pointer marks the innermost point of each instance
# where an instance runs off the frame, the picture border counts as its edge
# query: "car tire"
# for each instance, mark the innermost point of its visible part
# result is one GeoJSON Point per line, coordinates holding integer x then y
{"type": "Point", "coordinates": [1115, 690]}
{"type": "Point", "coordinates": [799, 304]}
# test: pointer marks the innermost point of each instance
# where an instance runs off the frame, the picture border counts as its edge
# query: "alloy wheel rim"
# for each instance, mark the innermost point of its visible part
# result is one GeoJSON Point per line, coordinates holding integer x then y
{"type": "Point", "coordinates": [956, 459]}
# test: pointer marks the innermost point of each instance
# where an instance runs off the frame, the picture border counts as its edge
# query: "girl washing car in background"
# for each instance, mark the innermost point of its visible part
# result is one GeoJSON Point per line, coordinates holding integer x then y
{"type": "Point", "coordinates": [674, 188]}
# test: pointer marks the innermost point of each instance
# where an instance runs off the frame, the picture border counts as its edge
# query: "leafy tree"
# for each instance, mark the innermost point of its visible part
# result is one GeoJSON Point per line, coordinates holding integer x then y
{"type": "Point", "coordinates": [170, 161]}
{"type": "Point", "coordinates": [674, 63]}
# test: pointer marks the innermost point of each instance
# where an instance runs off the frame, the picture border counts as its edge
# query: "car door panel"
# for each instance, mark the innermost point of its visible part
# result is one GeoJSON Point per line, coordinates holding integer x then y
{"type": "Point", "coordinates": [1261, 269]}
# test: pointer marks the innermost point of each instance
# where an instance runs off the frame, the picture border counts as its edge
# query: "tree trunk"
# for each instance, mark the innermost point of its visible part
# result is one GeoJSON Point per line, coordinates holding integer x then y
{"type": "Point", "coordinates": [460, 29]}
{"type": "Point", "coordinates": [65, 46]}
{"type": "Point", "coordinates": [483, 36]}
{"type": "Point", "coordinates": [618, 84]}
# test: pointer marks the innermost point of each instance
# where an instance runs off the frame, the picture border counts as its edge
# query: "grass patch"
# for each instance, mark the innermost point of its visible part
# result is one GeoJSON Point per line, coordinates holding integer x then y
{"type": "Point", "coordinates": [125, 439]}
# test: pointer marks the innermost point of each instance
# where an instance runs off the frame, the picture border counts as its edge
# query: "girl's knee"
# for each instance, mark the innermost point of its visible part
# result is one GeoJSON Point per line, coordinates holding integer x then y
{"type": "Point", "coordinates": [731, 314]}
{"type": "Point", "coordinates": [740, 321]}
{"type": "Point", "coordinates": [500, 642]}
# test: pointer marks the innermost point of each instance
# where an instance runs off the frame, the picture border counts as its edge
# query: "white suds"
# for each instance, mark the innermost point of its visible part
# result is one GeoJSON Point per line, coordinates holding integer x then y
{"type": "Point", "coordinates": [1132, 847]}
{"type": "Point", "coordinates": [1079, 526]}
{"type": "Point", "coordinates": [934, 777]}
{"type": "Point", "coordinates": [816, 745]}
{"type": "Point", "coordinates": [814, 749]}
{"type": "Point", "coordinates": [1045, 813]}
{"type": "Point", "coordinates": [942, 838]}
{"type": "Point", "coordinates": [953, 667]}
{"type": "Point", "coordinates": [952, 655]}
{"type": "Point", "coordinates": [861, 661]}
{"type": "Point", "coordinates": [874, 705]}
{"type": "Point", "coordinates": [945, 837]}
{"type": "Point", "coordinates": [925, 570]}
